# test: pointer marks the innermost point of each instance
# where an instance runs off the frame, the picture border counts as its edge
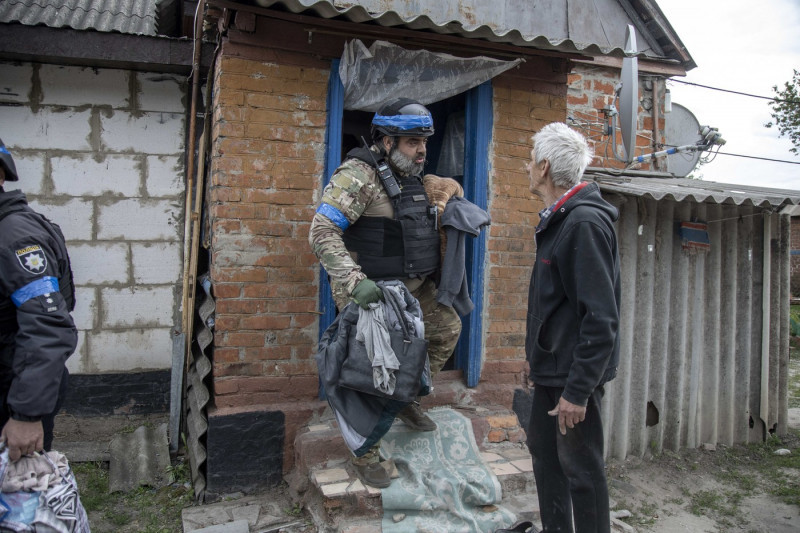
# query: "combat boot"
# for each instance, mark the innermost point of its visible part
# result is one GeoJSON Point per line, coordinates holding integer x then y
{"type": "Point", "coordinates": [370, 470]}
{"type": "Point", "coordinates": [416, 419]}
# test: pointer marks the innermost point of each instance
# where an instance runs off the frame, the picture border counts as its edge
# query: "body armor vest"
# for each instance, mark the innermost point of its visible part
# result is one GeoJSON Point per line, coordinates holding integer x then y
{"type": "Point", "coordinates": [404, 247]}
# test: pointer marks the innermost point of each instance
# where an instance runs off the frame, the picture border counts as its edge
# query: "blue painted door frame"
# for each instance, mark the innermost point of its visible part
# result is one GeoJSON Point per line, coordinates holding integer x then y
{"type": "Point", "coordinates": [478, 115]}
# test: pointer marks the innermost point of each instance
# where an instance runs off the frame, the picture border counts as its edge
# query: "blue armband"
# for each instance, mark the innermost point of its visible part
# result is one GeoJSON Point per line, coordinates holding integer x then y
{"type": "Point", "coordinates": [336, 216]}
{"type": "Point", "coordinates": [33, 289]}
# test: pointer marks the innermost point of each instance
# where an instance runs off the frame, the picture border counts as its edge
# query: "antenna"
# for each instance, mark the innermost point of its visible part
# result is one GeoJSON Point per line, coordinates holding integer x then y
{"type": "Point", "coordinates": [689, 137]}
{"type": "Point", "coordinates": [681, 128]}
{"type": "Point", "coordinates": [708, 137]}
{"type": "Point", "coordinates": [628, 92]}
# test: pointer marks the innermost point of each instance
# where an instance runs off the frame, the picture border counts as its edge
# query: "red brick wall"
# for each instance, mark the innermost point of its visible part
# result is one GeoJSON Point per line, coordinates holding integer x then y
{"type": "Point", "coordinates": [591, 88]}
{"type": "Point", "coordinates": [518, 113]}
{"type": "Point", "coordinates": [267, 151]}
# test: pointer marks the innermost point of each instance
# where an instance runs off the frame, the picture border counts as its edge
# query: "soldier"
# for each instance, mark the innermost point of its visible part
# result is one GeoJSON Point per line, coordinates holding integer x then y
{"type": "Point", "coordinates": [37, 333]}
{"type": "Point", "coordinates": [375, 222]}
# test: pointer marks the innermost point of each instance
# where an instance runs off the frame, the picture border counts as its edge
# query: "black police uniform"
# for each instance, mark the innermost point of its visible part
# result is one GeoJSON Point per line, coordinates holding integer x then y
{"type": "Point", "coordinates": [37, 333]}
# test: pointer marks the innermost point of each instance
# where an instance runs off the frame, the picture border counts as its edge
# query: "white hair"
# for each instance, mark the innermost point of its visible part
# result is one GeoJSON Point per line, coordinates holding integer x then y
{"type": "Point", "coordinates": [566, 150]}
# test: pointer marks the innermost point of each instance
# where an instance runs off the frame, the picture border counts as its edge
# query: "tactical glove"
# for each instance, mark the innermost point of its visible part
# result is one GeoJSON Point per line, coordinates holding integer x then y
{"type": "Point", "coordinates": [366, 292]}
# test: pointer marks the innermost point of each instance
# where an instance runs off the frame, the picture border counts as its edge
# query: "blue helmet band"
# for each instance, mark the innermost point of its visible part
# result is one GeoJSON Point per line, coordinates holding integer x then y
{"type": "Point", "coordinates": [4, 150]}
{"type": "Point", "coordinates": [403, 122]}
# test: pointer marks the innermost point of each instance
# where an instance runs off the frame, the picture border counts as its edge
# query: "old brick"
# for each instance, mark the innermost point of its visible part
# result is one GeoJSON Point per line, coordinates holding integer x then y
{"type": "Point", "coordinates": [227, 386]}
{"type": "Point", "coordinates": [241, 306]}
{"type": "Point", "coordinates": [226, 355]}
{"type": "Point", "coordinates": [243, 275]}
{"type": "Point", "coordinates": [292, 306]}
{"type": "Point", "coordinates": [226, 322]}
{"type": "Point", "coordinates": [267, 353]}
{"type": "Point", "coordinates": [502, 421]}
{"type": "Point", "coordinates": [496, 435]}
{"type": "Point", "coordinates": [297, 275]}
{"type": "Point", "coordinates": [265, 322]}
{"type": "Point", "coordinates": [236, 211]}
{"type": "Point", "coordinates": [222, 370]}
{"type": "Point", "coordinates": [517, 435]}
{"type": "Point", "coordinates": [267, 290]}
{"type": "Point", "coordinates": [241, 339]}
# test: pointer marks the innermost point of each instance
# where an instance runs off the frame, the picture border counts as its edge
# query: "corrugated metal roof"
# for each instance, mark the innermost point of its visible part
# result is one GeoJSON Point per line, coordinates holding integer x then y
{"type": "Point", "coordinates": [124, 16]}
{"type": "Point", "coordinates": [592, 28]}
{"type": "Point", "coordinates": [698, 190]}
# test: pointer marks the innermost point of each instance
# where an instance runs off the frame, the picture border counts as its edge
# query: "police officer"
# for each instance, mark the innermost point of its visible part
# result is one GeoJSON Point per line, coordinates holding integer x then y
{"type": "Point", "coordinates": [37, 333]}
{"type": "Point", "coordinates": [372, 224]}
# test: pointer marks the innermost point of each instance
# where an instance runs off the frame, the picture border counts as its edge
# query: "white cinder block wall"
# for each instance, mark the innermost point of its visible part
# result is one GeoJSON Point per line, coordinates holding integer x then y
{"type": "Point", "coordinates": [100, 152]}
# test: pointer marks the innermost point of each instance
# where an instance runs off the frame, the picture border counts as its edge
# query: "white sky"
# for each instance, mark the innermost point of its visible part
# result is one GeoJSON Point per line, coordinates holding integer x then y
{"type": "Point", "coordinates": [747, 47]}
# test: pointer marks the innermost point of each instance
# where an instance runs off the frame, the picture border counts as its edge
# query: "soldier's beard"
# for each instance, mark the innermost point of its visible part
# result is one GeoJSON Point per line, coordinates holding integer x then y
{"type": "Point", "coordinates": [405, 164]}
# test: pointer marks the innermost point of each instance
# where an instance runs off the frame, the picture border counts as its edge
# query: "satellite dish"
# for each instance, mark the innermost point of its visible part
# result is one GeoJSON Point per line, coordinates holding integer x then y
{"type": "Point", "coordinates": [629, 95]}
{"type": "Point", "coordinates": [681, 128]}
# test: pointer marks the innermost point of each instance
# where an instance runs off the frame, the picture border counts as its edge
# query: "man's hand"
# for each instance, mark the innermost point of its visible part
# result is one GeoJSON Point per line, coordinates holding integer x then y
{"type": "Point", "coordinates": [367, 292]}
{"type": "Point", "coordinates": [23, 438]}
{"type": "Point", "coordinates": [568, 414]}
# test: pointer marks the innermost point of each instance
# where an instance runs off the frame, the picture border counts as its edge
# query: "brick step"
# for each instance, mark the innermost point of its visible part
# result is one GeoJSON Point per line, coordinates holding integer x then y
{"type": "Point", "coordinates": [335, 496]}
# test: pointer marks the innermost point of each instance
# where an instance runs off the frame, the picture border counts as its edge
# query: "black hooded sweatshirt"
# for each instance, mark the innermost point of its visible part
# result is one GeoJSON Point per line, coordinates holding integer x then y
{"type": "Point", "coordinates": [573, 302]}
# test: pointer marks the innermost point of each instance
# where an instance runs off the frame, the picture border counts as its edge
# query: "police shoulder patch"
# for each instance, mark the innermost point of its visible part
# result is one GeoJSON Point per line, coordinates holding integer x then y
{"type": "Point", "coordinates": [32, 259]}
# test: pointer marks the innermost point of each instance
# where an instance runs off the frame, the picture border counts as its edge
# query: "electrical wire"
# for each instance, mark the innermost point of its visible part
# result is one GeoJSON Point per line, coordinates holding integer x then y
{"type": "Point", "coordinates": [734, 92]}
{"type": "Point", "coordinates": [761, 158]}
{"type": "Point", "coordinates": [598, 130]}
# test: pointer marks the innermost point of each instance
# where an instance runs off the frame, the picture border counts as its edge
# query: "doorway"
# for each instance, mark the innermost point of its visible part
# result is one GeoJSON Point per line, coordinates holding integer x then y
{"type": "Point", "coordinates": [459, 149]}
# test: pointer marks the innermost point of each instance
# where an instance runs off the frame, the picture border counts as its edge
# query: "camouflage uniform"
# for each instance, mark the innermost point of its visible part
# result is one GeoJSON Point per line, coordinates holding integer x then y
{"type": "Point", "coordinates": [355, 191]}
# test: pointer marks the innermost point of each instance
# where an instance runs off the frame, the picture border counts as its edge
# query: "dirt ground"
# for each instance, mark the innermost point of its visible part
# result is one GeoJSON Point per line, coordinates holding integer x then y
{"type": "Point", "coordinates": [722, 490]}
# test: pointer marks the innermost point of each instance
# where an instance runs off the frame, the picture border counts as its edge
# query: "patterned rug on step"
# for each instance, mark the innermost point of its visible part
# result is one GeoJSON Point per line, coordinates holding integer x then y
{"type": "Point", "coordinates": [444, 485]}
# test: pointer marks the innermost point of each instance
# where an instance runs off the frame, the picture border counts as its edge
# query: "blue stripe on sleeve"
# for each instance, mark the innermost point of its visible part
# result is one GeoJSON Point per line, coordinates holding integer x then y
{"type": "Point", "coordinates": [336, 216]}
{"type": "Point", "coordinates": [33, 289]}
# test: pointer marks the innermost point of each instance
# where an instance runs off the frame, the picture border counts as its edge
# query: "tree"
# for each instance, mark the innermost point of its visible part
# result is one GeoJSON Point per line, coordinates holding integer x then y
{"type": "Point", "coordinates": [786, 111]}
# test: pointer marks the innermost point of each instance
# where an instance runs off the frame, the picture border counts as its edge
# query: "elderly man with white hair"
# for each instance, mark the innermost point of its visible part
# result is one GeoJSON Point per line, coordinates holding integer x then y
{"type": "Point", "coordinates": [572, 342]}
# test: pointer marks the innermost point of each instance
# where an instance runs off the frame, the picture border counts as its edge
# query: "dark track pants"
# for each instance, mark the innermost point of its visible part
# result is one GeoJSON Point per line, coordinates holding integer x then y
{"type": "Point", "coordinates": [569, 469]}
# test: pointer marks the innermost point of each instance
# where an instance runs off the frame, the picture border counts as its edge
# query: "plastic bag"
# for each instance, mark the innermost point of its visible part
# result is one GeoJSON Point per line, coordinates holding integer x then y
{"type": "Point", "coordinates": [56, 508]}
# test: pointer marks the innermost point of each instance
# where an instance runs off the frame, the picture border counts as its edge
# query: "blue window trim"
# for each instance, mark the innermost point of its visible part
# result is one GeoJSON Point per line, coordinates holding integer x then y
{"type": "Point", "coordinates": [333, 151]}
{"type": "Point", "coordinates": [45, 285]}
{"type": "Point", "coordinates": [333, 155]}
{"type": "Point", "coordinates": [479, 117]}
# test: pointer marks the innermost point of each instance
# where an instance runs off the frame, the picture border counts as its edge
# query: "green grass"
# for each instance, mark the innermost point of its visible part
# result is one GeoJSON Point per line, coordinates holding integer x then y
{"type": "Point", "coordinates": [759, 468]}
{"type": "Point", "coordinates": [143, 510]}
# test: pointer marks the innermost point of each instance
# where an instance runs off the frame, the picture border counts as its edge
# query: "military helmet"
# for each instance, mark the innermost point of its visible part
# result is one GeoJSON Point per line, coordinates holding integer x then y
{"type": "Point", "coordinates": [402, 117]}
{"type": "Point", "coordinates": [7, 162]}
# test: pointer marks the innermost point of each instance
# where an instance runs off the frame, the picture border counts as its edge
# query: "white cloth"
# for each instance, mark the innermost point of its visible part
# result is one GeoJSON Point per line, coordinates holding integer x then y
{"type": "Point", "coordinates": [371, 330]}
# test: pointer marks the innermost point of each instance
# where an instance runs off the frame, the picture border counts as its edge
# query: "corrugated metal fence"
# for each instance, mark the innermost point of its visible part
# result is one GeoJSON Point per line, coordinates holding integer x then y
{"type": "Point", "coordinates": [691, 348]}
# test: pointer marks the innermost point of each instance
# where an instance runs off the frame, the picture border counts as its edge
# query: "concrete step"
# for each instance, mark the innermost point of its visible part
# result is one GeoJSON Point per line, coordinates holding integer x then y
{"type": "Point", "coordinates": [339, 502]}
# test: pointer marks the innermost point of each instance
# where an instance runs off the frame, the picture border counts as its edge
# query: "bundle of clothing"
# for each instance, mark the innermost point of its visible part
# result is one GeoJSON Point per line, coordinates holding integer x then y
{"type": "Point", "coordinates": [373, 363]}
{"type": "Point", "coordinates": [39, 493]}
{"type": "Point", "coordinates": [458, 219]}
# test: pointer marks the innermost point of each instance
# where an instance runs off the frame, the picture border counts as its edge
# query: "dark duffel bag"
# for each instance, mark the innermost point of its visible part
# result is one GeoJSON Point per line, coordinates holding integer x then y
{"type": "Point", "coordinates": [411, 352]}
